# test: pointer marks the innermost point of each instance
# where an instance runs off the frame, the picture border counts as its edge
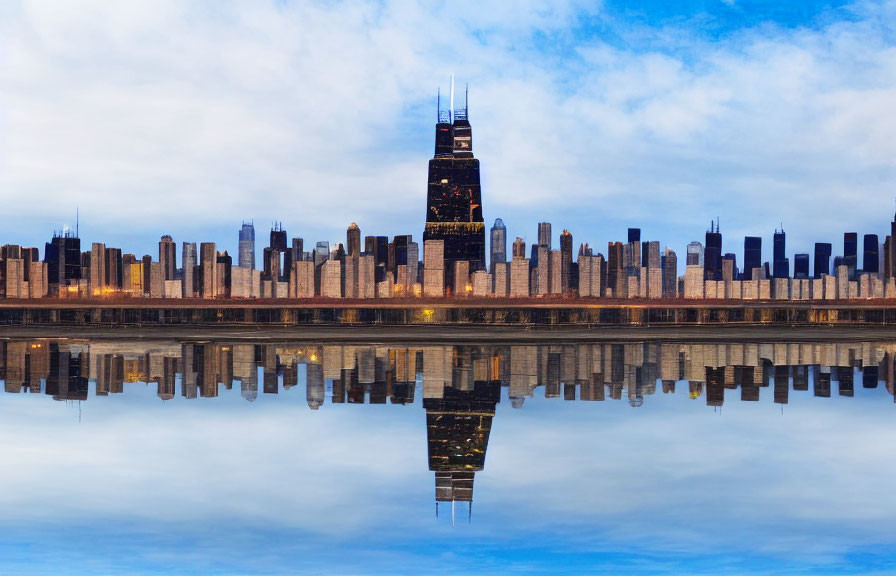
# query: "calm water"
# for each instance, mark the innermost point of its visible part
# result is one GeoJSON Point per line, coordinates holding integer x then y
{"type": "Point", "coordinates": [648, 458]}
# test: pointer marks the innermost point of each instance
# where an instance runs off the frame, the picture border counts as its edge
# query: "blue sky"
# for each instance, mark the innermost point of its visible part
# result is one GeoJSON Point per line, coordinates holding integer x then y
{"type": "Point", "coordinates": [185, 118]}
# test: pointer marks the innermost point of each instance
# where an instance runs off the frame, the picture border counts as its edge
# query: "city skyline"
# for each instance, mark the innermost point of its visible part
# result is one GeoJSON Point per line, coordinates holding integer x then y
{"type": "Point", "coordinates": [662, 110]}
{"type": "Point", "coordinates": [454, 257]}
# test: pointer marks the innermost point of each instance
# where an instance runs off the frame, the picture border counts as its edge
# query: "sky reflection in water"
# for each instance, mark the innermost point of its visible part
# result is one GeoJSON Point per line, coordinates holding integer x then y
{"type": "Point", "coordinates": [222, 485]}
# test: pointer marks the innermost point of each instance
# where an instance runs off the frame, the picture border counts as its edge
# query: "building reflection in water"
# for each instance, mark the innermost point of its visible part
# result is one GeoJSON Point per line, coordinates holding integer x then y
{"type": "Point", "coordinates": [461, 385]}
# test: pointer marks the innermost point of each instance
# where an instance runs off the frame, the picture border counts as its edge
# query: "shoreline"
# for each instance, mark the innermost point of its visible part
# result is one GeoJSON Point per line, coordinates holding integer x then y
{"type": "Point", "coordinates": [468, 334]}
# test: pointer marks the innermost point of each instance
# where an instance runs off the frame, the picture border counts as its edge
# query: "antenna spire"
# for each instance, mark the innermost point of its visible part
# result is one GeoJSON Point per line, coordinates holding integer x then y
{"type": "Point", "coordinates": [467, 100]}
{"type": "Point", "coordinates": [452, 98]}
{"type": "Point", "coordinates": [77, 221]}
{"type": "Point", "coordinates": [439, 106]}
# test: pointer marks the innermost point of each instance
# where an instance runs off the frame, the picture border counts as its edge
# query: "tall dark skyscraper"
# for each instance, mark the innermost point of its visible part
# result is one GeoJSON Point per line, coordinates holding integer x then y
{"type": "Point", "coordinates": [752, 255]}
{"type": "Point", "coordinates": [670, 273]}
{"type": "Point", "coordinates": [851, 252]}
{"type": "Point", "coordinates": [63, 257]}
{"type": "Point", "coordinates": [353, 240]}
{"type": "Point", "coordinates": [870, 258]}
{"type": "Point", "coordinates": [278, 238]}
{"type": "Point", "coordinates": [454, 198]}
{"type": "Point", "coordinates": [712, 254]}
{"type": "Point", "coordinates": [498, 244]}
{"type": "Point", "coordinates": [800, 265]}
{"type": "Point", "coordinates": [822, 262]}
{"type": "Point", "coordinates": [566, 264]}
{"type": "Point", "coordinates": [272, 254]}
{"type": "Point", "coordinates": [780, 263]}
{"type": "Point", "coordinates": [168, 256]}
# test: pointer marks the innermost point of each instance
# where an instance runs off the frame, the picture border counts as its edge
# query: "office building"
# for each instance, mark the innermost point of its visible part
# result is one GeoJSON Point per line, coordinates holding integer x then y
{"type": "Point", "coordinates": [454, 201]}
{"type": "Point", "coordinates": [695, 254]}
{"type": "Point", "coordinates": [801, 266]}
{"type": "Point", "coordinates": [498, 244]}
{"type": "Point", "coordinates": [168, 257]}
{"type": "Point", "coordinates": [850, 253]}
{"type": "Point", "coordinates": [712, 263]}
{"type": "Point", "coordinates": [353, 240]}
{"type": "Point", "coordinates": [822, 261]}
{"type": "Point", "coordinates": [752, 256]}
{"type": "Point", "coordinates": [780, 263]}
{"type": "Point", "coordinates": [870, 255]}
{"type": "Point", "coordinates": [544, 234]}
{"type": "Point", "coordinates": [246, 251]}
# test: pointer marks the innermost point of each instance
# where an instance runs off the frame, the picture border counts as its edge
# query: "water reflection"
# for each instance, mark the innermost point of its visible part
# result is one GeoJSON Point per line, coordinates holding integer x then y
{"type": "Point", "coordinates": [460, 385]}
{"type": "Point", "coordinates": [377, 374]}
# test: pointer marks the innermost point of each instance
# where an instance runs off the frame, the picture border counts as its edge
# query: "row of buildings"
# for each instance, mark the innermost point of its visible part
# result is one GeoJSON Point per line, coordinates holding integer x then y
{"type": "Point", "coordinates": [376, 267]}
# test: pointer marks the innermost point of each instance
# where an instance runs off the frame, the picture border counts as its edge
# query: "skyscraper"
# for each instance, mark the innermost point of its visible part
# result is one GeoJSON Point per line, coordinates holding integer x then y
{"type": "Point", "coordinates": [246, 256]}
{"type": "Point", "coordinates": [752, 255]}
{"type": "Point", "coordinates": [63, 257]}
{"type": "Point", "coordinates": [670, 273]}
{"type": "Point", "coordinates": [168, 257]}
{"type": "Point", "coordinates": [822, 262]}
{"type": "Point", "coordinates": [695, 254]}
{"type": "Point", "coordinates": [870, 258]}
{"type": "Point", "coordinates": [498, 244]}
{"type": "Point", "coordinates": [188, 261]}
{"type": "Point", "coordinates": [712, 263]}
{"type": "Point", "coordinates": [850, 252]}
{"type": "Point", "coordinates": [519, 248]}
{"type": "Point", "coordinates": [780, 263]}
{"type": "Point", "coordinates": [353, 240]}
{"type": "Point", "coordinates": [544, 234]}
{"type": "Point", "coordinates": [565, 261]}
{"type": "Point", "coordinates": [800, 265]}
{"type": "Point", "coordinates": [454, 199]}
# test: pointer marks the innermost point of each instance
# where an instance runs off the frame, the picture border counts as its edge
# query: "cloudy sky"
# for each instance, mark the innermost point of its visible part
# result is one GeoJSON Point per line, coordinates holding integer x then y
{"type": "Point", "coordinates": [186, 117]}
{"type": "Point", "coordinates": [130, 484]}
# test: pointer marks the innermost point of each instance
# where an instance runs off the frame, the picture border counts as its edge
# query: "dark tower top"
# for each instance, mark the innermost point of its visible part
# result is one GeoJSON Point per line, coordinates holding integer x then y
{"type": "Point", "coordinates": [454, 200]}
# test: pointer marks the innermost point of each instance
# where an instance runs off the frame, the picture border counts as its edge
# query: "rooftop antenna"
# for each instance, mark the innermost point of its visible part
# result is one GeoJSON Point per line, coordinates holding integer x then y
{"type": "Point", "coordinates": [438, 116]}
{"type": "Point", "coordinates": [77, 221]}
{"type": "Point", "coordinates": [467, 100]}
{"type": "Point", "coordinates": [452, 98]}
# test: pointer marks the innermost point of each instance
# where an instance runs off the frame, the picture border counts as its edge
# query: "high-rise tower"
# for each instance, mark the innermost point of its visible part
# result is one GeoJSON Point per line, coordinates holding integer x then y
{"type": "Point", "coordinates": [498, 244]}
{"type": "Point", "coordinates": [454, 201]}
{"type": "Point", "coordinates": [247, 246]}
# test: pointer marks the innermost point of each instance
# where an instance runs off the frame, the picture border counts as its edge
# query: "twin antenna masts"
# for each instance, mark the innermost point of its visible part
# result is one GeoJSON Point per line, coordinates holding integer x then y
{"type": "Point", "coordinates": [450, 115]}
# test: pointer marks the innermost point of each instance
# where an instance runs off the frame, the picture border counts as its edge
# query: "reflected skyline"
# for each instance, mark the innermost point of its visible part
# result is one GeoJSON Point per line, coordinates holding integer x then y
{"type": "Point", "coordinates": [66, 369]}
{"type": "Point", "coordinates": [459, 386]}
